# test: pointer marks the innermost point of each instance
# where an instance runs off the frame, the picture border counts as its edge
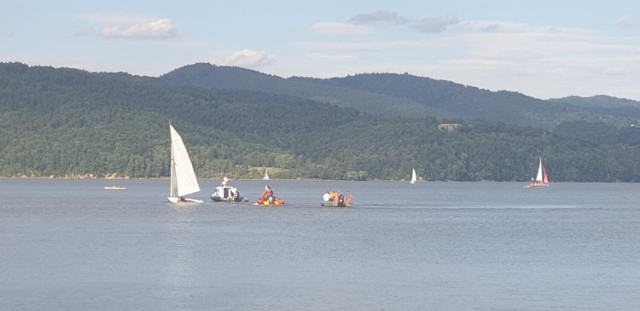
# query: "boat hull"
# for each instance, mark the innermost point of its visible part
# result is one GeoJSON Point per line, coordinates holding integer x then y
{"type": "Point", "coordinates": [537, 185]}
{"type": "Point", "coordinates": [335, 204]}
{"type": "Point", "coordinates": [217, 198]}
{"type": "Point", "coordinates": [115, 188]}
{"type": "Point", "coordinates": [270, 201]}
{"type": "Point", "coordinates": [183, 200]}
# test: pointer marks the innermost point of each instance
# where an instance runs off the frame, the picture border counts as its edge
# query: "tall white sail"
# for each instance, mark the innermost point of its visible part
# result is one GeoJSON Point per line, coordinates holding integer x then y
{"type": "Point", "coordinates": [266, 176]}
{"type": "Point", "coordinates": [183, 178]}
{"type": "Point", "coordinates": [541, 179]}
{"type": "Point", "coordinates": [414, 177]}
{"type": "Point", "coordinates": [540, 175]}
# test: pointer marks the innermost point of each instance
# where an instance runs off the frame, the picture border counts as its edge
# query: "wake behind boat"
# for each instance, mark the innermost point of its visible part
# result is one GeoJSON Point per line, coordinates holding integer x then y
{"type": "Point", "coordinates": [542, 178]}
{"type": "Point", "coordinates": [227, 193]}
{"type": "Point", "coordinates": [183, 177]}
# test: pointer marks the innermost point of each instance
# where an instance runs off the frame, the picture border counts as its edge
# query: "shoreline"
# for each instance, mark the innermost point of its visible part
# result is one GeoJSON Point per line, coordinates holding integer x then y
{"type": "Point", "coordinates": [297, 179]}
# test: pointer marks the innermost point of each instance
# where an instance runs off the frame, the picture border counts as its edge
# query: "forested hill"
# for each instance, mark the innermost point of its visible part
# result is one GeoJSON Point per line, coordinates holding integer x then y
{"type": "Point", "coordinates": [67, 122]}
{"type": "Point", "coordinates": [405, 95]}
{"type": "Point", "coordinates": [211, 76]}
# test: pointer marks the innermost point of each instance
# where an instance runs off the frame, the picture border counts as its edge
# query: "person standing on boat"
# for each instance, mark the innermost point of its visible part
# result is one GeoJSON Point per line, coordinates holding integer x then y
{"type": "Point", "coordinates": [232, 194]}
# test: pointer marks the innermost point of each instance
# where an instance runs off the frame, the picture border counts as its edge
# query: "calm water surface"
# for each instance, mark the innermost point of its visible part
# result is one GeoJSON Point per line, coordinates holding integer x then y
{"type": "Point", "coordinates": [71, 245]}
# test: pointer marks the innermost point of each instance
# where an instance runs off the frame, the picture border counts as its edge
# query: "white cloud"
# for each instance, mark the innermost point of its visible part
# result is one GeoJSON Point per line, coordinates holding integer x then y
{"type": "Point", "coordinates": [356, 25]}
{"type": "Point", "coordinates": [378, 17]}
{"type": "Point", "coordinates": [429, 24]}
{"type": "Point", "coordinates": [625, 21]}
{"type": "Point", "coordinates": [162, 28]}
{"type": "Point", "coordinates": [340, 28]}
{"type": "Point", "coordinates": [538, 60]}
{"type": "Point", "coordinates": [495, 26]}
{"type": "Point", "coordinates": [510, 27]}
{"type": "Point", "coordinates": [436, 24]}
{"type": "Point", "coordinates": [541, 63]}
{"type": "Point", "coordinates": [111, 18]}
{"type": "Point", "coordinates": [118, 25]}
{"type": "Point", "coordinates": [249, 59]}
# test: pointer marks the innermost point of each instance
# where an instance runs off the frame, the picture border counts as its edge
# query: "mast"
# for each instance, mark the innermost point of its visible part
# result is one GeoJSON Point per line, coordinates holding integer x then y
{"type": "Point", "coordinates": [173, 190]}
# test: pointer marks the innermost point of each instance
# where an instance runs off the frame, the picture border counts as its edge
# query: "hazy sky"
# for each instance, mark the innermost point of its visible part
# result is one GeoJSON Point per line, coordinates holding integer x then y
{"type": "Point", "coordinates": [544, 49]}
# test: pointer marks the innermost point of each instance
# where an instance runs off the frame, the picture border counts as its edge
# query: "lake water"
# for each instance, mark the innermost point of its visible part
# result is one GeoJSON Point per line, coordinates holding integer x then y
{"type": "Point", "coordinates": [71, 245]}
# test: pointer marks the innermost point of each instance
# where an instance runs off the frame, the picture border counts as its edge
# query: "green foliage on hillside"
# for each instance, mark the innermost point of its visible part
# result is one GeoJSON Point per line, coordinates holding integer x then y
{"type": "Point", "coordinates": [232, 78]}
{"type": "Point", "coordinates": [404, 95]}
{"type": "Point", "coordinates": [66, 122]}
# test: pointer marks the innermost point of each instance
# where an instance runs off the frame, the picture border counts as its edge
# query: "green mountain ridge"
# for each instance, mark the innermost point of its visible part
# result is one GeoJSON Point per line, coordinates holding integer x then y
{"type": "Point", "coordinates": [67, 122]}
{"type": "Point", "coordinates": [405, 95]}
{"type": "Point", "coordinates": [216, 77]}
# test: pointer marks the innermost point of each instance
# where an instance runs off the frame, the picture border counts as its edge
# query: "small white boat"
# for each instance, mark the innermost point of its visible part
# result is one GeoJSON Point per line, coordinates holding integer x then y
{"type": "Point", "coordinates": [227, 193]}
{"type": "Point", "coordinates": [115, 188]}
{"type": "Point", "coordinates": [542, 178]}
{"type": "Point", "coordinates": [183, 177]}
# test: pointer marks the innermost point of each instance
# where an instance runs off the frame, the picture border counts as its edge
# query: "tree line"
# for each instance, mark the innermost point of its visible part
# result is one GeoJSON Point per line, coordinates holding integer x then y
{"type": "Point", "coordinates": [68, 122]}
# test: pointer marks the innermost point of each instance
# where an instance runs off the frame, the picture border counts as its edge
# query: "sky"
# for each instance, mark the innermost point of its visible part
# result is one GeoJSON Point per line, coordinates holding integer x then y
{"type": "Point", "coordinates": [545, 49]}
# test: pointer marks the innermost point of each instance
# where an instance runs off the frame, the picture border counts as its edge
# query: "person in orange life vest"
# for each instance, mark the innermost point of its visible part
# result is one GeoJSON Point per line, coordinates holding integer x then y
{"type": "Point", "coordinates": [333, 196]}
{"type": "Point", "coordinates": [266, 195]}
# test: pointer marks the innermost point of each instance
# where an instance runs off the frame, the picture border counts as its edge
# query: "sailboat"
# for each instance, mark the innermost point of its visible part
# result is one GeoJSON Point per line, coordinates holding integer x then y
{"type": "Point", "coordinates": [414, 178]}
{"type": "Point", "coordinates": [542, 178]}
{"type": "Point", "coordinates": [266, 176]}
{"type": "Point", "coordinates": [183, 178]}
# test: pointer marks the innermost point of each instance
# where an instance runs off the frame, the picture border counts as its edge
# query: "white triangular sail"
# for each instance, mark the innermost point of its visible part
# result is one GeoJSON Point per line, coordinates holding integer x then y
{"type": "Point", "coordinates": [540, 176]}
{"type": "Point", "coordinates": [541, 179]}
{"type": "Point", "coordinates": [266, 176]}
{"type": "Point", "coordinates": [183, 178]}
{"type": "Point", "coordinates": [414, 177]}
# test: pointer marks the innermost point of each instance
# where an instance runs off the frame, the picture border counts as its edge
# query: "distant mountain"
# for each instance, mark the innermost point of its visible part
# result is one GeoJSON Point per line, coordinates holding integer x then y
{"type": "Point", "coordinates": [626, 111]}
{"type": "Point", "coordinates": [216, 77]}
{"type": "Point", "coordinates": [602, 101]}
{"type": "Point", "coordinates": [406, 95]}
{"type": "Point", "coordinates": [457, 100]}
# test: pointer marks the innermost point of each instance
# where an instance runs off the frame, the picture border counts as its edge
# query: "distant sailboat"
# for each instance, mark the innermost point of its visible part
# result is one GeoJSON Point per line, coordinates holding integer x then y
{"type": "Point", "coordinates": [183, 178]}
{"type": "Point", "coordinates": [414, 177]}
{"type": "Point", "coordinates": [266, 176]}
{"type": "Point", "coordinates": [542, 178]}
